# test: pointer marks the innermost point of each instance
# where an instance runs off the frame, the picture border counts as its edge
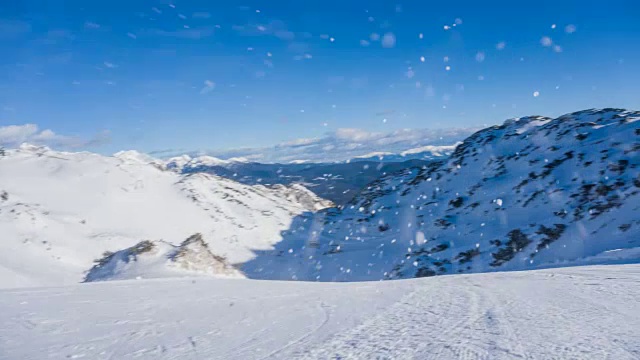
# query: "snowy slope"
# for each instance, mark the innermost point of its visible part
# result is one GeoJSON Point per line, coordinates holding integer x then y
{"type": "Point", "coordinates": [60, 211]}
{"type": "Point", "coordinates": [533, 192]}
{"type": "Point", "coordinates": [571, 313]}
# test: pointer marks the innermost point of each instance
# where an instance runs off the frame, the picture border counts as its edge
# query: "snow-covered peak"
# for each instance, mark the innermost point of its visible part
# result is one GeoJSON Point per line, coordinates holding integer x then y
{"type": "Point", "coordinates": [33, 149]}
{"type": "Point", "coordinates": [135, 157]}
{"type": "Point", "coordinates": [434, 150]}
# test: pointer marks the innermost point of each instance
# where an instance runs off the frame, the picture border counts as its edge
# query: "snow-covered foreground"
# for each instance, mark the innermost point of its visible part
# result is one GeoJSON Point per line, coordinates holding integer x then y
{"type": "Point", "coordinates": [571, 313]}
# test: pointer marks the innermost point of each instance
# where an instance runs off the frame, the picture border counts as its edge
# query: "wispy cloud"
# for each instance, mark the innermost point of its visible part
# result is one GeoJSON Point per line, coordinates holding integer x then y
{"type": "Point", "coordinates": [343, 144]}
{"type": "Point", "coordinates": [14, 135]}
{"type": "Point", "coordinates": [13, 28]}
{"type": "Point", "coordinates": [193, 33]}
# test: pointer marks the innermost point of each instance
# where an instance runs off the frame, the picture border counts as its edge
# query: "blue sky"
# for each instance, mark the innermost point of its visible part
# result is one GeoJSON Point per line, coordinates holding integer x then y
{"type": "Point", "coordinates": [207, 75]}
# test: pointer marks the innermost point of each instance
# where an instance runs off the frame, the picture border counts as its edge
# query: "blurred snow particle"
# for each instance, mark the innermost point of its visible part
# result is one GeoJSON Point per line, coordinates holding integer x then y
{"type": "Point", "coordinates": [447, 67]}
{"type": "Point", "coordinates": [499, 202]}
{"type": "Point", "coordinates": [155, 9]}
{"type": "Point", "coordinates": [374, 37]}
{"type": "Point", "coordinates": [410, 73]}
{"type": "Point", "coordinates": [420, 239]}
{"type": "Point", "coordinates": [371, 19]}
{"type": "Point", "coordinates": [429, 92]}
{"type": "Point", "coordinates": [501, 45]}
{"type": "Point", "coordinates": [132, 35]}
{"type": "Point", "coordinates": [109, 65]}
{"type": "Point", "coordinates": [421, 36]}
{"type": "Point", "coordinates": [183, 17]}
{"type": "Point", "coordinates": [364, 43]}
{"type": "Point", "coordinates": [570, 29]}
{"type": "Point", "coordinates": [546, 41]}
{"type": "Point", "coordinates": [536, 93]}
{"type": "Point", "coordinates": [422, 59]}
{"type": "Point", "coordinates": [458, 21]}
{"type": "Point", "coordinates": [553, 26]}
{"type": "Point", "coordinates": [332, 39]}
{"type": "Point", "coordinates": [208, 86]}
{"type": "Point", "coordinates": [384, 121]}
{"type": "Point", "coordinates": [445, 59]}
{"type": "Point", "coordinates": [557, 48]}
{"type": "Point", "coordinates": [388, 40]}
{"type": "Point", "coordinates": [446, 27]}
{"type": "Point", "coordinates": [290, 251]}
{"type": "Point", "coordinates": [480, 56]}
{"type": "Point", "coordinates": [480, 77]}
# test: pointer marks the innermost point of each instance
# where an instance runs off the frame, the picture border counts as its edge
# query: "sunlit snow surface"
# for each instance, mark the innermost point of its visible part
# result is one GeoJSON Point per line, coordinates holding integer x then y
{"type": "Point", "coordinates": [571, 313]}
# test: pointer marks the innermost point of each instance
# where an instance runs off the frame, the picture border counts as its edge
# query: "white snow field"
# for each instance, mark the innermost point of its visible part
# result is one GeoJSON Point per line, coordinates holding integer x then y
{"type": "Point", "coordinates": [60, 211]}
{"type": "Point", "coordinates": [570, 313]}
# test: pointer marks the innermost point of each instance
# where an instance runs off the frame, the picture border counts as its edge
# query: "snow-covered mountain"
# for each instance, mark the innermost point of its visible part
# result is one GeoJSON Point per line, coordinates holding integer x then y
{"type": "Point", "coordinates": [429, 152]}
{"type": "Point", "coordinates": [60, 211]}
{"type": "Point", "coordinates": [337, 182]}
{"type": "Point", "coordinates": [532, 192]}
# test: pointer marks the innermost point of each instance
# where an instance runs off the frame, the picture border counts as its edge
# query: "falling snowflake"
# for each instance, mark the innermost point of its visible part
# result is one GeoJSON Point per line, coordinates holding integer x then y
{"type": "Point", "coordinates": [388, 40]}
{"type": "Point", "coordinates": [546, 41]}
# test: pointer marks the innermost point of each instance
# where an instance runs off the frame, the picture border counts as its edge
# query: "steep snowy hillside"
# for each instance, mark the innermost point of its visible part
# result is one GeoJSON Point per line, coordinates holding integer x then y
{"type": "Point", "coordinates": [533, 192]}
{"type": "Point", "coordinates": [572, 313]}
{"type": "Point", "coordinates": [61, 211]}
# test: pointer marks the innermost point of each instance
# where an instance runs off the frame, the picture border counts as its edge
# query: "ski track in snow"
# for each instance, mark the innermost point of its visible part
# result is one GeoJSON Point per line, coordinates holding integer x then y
{"type": "Point", "coordinates": [571, 313]}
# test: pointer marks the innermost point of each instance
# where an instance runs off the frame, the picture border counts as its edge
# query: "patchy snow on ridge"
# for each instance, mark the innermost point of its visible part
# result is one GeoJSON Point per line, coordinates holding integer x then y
{"type": "Point", "coordinates": [532, 193]}
{"type": "Point", "coordinates": [159, 259]}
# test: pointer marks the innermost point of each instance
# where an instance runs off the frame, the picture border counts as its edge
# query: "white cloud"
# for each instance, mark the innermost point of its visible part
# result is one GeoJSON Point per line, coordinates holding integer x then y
{"type": "Point", "coordinates": [345, 143]}
{"type": "Point", "coordinates": [14, 135]}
